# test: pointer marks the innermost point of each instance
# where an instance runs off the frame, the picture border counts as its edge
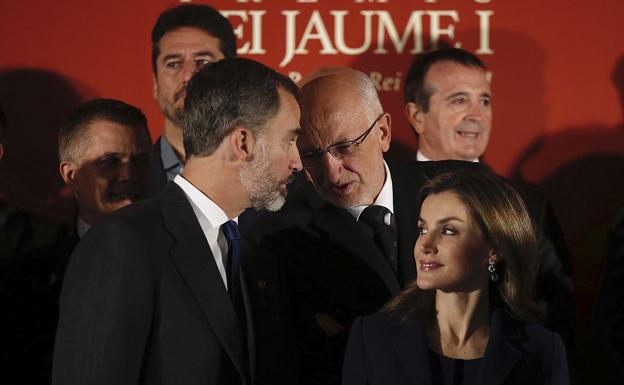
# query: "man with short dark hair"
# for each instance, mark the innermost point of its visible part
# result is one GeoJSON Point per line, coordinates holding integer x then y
{"type": "Point", "coordinates": [104, 153]}
{"type": "Point", "coordinates": [184, 39]}
{"type": "Point", "coordinates": [448, 102]}
{"type": "Point", "coordinates": [104, 149]}
{"type": "Point", "coordinates": [155, 294]}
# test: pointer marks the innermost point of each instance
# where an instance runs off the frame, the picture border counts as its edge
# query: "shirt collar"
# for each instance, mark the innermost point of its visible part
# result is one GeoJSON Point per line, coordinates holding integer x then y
{"type": "Point", "coordinates": [421, 158]}
{"type": "Point", "coordinates": [385, 197]}
{"type": "Point", "coordinates": [212, 214]}
{"type": "Point", "coordinates": [82, 227]}
{"type": "Point", "coordinates": [169, 158]}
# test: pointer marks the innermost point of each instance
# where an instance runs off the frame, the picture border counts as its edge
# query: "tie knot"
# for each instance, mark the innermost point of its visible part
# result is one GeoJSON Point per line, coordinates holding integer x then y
{"type": "Point", "coordinates": [376, 216]}
{"type": "Point", "coordinates": [230, 230]}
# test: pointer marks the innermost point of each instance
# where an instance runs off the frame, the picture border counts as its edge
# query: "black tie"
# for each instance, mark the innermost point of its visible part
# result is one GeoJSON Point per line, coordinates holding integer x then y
{"type": "Point", "coordinates": [230, 230]}
{"type": "Point", "coordinates": [381, 221]}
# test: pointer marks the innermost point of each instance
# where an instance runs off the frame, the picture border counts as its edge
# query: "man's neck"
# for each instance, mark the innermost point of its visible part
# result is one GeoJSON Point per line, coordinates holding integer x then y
{"type": "Point", "coordinates": [174, 136]}
{"type": "Point", "coordinates": [223, 187]}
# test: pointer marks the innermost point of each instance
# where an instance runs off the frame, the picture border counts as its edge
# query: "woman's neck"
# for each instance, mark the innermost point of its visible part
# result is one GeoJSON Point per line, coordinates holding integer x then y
{"type": "Point", "coordinates": [462, 326]}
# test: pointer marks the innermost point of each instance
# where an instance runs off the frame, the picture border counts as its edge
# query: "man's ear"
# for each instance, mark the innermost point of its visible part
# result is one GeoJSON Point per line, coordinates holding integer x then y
{"type": "Point", "coordinates": [415, 117]}
{"type": "Point", "coordinates": [68, 173]}
{"type": "Point", "coordinates": [1, 151]}
{"type": "Point", "coordinates": [385, 124]}
{"type": "Point", "coordinates": [241, 143]}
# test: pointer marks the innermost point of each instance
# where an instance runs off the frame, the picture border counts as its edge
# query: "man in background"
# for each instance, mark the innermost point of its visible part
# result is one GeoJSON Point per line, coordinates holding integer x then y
{"type": "Point", "coordinates": [184, 39]}
{"type": "Point", "coordinates": [104, 153]}
{"type": "Point", "coordinates": [448, 103]}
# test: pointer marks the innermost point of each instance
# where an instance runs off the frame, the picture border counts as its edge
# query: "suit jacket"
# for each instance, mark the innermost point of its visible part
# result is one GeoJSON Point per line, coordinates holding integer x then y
{"type": "Point", "coordinates": [30, 286]}
{"type": "Point", "coordinates": [143, 302]}
{"type": "Point", "coordinates": [321, 261]}
{"type": "Point", "coordinates": [157, 178]}
{"type": "Point", "coordinates": [384, 350]}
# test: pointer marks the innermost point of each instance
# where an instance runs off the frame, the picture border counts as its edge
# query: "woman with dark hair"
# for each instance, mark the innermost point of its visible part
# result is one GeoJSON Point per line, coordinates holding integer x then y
{"type": "Point", "coordinates": [467, 317]}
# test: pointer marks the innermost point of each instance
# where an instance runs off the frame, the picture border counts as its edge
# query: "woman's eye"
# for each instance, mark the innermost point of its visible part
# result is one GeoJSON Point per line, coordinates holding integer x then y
{"type": "Point", "coordinates": [422, 231]}
{"type": "Point", "coordinates": [448, 231]}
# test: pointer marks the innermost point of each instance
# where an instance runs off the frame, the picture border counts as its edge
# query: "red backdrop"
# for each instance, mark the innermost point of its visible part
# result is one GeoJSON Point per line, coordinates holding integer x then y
{"type": "Point", "coordinates": [557, 67]}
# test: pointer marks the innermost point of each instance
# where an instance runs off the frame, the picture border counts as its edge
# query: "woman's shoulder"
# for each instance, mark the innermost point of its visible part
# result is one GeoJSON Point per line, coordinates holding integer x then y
{"type": "Point", "coordinates": [532, 334]}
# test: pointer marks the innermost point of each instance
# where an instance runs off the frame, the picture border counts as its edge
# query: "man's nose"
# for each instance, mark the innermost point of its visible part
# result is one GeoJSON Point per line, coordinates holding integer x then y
{"type": "Point", "coordinates": [295, 160]}
{"type": "Point", "coordinates": [188, 70]}
{"type": "Point", "coordinates": [475, 112]}
{"type": "Point", "coordinates": [332, 168]}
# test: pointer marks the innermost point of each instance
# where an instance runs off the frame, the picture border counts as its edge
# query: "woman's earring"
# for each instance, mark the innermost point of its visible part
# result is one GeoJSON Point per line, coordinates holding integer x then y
{"type": "Point", "coordinates": [492, 269]}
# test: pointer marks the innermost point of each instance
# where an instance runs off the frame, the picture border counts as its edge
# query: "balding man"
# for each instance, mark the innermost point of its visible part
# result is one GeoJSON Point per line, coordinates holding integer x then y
{"type": "Point", "coordinates": [354, 250]}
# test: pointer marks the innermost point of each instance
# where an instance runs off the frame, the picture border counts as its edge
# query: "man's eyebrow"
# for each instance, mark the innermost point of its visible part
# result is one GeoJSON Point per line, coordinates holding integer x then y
{"type": "Point", "coordinates": [179, 55]}
{"type": "Point", "coordinates": [171, 56]}
{"type": "Point", "coordinates": [204, 53]}
{"type": "Point", "coordinates": [486, 95]}
{"type": "Point", "coordinates": [456, 94]}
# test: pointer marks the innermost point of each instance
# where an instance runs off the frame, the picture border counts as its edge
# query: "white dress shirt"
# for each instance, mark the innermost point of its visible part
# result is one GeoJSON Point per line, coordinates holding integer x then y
{"type": "Point", "coordinates": [385, 197]}
{"type": "Point", "coordinates": [82, 227]}
{"type": "Point", "coordinates": [421, 158]}
{"type": "Point", "coordinates": [210, 217]}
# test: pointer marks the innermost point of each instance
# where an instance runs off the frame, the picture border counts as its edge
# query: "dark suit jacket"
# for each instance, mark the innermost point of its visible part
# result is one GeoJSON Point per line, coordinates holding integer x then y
{"type": "Point", "coordinates": [384, 350]}
{"type": "Point", "coordinates": [157, 178]}
{"type": "Point", "coordinates": [143, 302]}
{"type": "Point", "coordinates": [319, 260]}
{"type": "Point", "coordinates": [30, 286]}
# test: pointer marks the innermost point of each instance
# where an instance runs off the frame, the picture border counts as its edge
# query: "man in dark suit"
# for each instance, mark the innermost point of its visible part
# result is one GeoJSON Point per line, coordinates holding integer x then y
{"type": "Point", "coordinates": [448, 103]}
{"type": "Point", "coordinates": [184, 39]}
{"type": "Point", "coordinates": [104, 153]}
{"type": "Point", "coordinates": [154, 293]}
{"type": "Point", "coordinates": [349, 249]}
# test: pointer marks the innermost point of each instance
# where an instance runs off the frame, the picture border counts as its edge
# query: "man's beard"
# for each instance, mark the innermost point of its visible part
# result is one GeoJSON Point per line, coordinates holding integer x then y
{"type": "Point", "coordinates": [174, 113]}
{"type": "Point", "coordinates": [261, 185]}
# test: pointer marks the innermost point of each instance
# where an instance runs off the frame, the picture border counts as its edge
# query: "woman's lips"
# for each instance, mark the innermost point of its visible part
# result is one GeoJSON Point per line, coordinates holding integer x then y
{"type": "Point", "coordinates": [429, 266]}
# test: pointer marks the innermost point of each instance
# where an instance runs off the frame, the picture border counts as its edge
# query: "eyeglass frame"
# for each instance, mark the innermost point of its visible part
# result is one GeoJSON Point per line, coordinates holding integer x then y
{"type": "Point", "coordinates": [357, 141]}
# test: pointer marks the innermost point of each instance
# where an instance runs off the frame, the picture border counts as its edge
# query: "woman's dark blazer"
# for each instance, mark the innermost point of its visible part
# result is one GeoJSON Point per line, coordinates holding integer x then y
{"type": "Point", "coordinates": [384, 350]}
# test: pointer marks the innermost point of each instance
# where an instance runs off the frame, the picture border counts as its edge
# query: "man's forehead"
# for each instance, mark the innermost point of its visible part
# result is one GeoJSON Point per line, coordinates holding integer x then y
{"type": "Point", "coordinates": [451, 73]}
{"type": "Point", "coordinates": [187, 36]}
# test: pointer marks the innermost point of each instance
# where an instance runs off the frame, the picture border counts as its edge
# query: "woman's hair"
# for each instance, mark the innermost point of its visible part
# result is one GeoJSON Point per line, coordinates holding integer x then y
{"type": "Point", "coordinates": [502, 217]}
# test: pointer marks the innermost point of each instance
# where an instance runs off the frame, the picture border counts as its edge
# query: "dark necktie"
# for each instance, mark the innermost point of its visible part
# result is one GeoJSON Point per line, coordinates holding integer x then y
{"type": "Point", "coordinates": [381, 221]}
{"type": "Point", "coordinates": [230, 230]}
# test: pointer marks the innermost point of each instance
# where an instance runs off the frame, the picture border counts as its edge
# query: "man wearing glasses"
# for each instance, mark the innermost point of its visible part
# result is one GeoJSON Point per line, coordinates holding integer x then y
{"type": "Point", "coordinates": [355, 250]}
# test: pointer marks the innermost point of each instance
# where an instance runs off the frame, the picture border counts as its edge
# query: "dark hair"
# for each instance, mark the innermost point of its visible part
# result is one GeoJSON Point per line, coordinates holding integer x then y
{"type": "Point", "coordinates": [73, 128]}
{"type": "Point", "coordinates": [3, 125]}
{"type": "Point", "coordinates": [198, 16]}
{"type": "Point", "coordinates": [229, 93]}
{"type": "Point", "coordinates": [415, 89]}
{"type": "Point", "coordinates": [502, 217]}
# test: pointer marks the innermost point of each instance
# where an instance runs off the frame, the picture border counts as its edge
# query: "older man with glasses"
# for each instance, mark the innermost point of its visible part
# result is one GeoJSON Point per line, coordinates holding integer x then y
{"type": "Point", "coordinates": [354, 251]}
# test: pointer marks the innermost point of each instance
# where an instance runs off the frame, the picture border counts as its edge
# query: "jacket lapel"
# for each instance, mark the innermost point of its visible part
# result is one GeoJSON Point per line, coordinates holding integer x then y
{"type": "Point", "coordinates": [341, 228]}
{"type": "Point", "coordinates": [196, 265]}
{"type": "Point", "coordinates": [412, 349]}
{"type": "Point", "coordinates": [500, 354]}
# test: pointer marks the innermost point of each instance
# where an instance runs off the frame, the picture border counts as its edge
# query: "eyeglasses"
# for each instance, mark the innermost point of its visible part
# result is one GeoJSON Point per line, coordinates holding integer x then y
{"type": "Point", "coordinates": [313, 159]}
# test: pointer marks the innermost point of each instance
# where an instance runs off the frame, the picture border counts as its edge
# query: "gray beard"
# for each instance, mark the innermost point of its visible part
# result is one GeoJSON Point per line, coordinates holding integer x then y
{"type": "Point", "coordinates": [261, 185]}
